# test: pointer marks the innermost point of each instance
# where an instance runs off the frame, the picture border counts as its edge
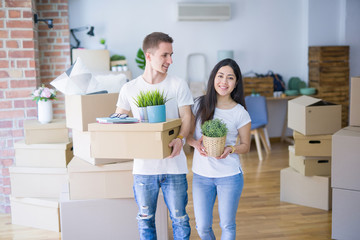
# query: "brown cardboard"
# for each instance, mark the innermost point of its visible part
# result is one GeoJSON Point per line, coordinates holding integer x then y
{"type": "Point", "coordinates": [53, 132]}
{"type": "Point", "coordinates": [94, 59]}
{"type": "Point", "coordinates": [312, 116]}
{"type": "Point", "coordinates": [138, 140]}
{"type": "Point", "coordinates": [315, 145]}
{"type": "Point", "coordinates": [106, 181]}
{"type": "Point", "coordinates": [82, 150]}
{"type": "Point", "coordinates": [309, 166]}
{"type": "Point", "coordinates": [355, 102]}
{"type": "Point", "coordinates": [312, 191]}
{"type": "Point", "coordinates": [81, 110]}
{"type": "Point", "coordinates": [106, 218]}
{"type": "Point", "coordinates": [37, 182]}
{"type": "Point", "coordinates": [51, 155]}
{"type": "Point", "coordinates": [346, 159]}
{"type": "Point", "coordinates": [40, 213]}
{"type": "Point", "coordinates": [345, 214]}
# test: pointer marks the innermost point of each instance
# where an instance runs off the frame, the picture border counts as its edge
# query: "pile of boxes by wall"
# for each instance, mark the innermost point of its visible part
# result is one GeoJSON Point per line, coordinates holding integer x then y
{"type": "Point", "coordinates": [84, 187]}
{"type": "Point", "coordinates": [39, 173]}
{"type": "Point", "coordinates": [307, 179]}
{"type": "Point", "coordinates": [345, 175]}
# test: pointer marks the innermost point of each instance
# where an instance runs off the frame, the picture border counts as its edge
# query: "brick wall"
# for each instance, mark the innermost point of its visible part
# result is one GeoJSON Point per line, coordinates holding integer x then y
{"type": "Point", "coordinates": [29, 56]}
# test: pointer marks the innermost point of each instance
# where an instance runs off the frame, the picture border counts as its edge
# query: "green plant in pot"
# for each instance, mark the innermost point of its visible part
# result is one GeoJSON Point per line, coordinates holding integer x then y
{"type": "Point", "coordinates": [214, 136]}
{"type": "Point", "coordinates": [154, 102]}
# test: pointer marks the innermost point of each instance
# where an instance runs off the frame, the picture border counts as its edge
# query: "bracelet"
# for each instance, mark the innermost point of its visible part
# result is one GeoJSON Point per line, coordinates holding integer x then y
{"type": "Point", "coordinates": [232, 147]}
{"type": "Point", "coordinates": [182, 139]}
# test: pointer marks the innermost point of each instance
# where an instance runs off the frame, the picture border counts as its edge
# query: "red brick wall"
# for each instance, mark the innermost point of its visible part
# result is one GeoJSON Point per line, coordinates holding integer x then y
{"type": "Point", "coordinates": [29, 55]}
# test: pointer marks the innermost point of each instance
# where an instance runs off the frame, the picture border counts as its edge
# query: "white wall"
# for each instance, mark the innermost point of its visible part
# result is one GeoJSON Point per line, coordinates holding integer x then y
{"type": "Point", "coordinates": [264, 35]}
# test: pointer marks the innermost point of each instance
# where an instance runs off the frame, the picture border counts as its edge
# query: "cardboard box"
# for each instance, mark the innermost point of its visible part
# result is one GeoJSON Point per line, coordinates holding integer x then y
{"type": "Point", "coordinates": [105, 181]}
{"type": "Point", "coordinates": [94, 59]}
{"type": "Point", "coordinates": [312, 116]}
{"type": "Point", "coordinates": [36, 212]}
{"type": "Point", "coordinates": [345, 214]}
{"type": "Point", "coordinates": [81, 110]}
{"type": "Point", "coordinates": [109, 219]}
{"type": "Point", "coordinates": [312, 191]}
{"type": "Point", "coordinates": [51, 155]}
{"type": "Point", "coordinates": [37, 182]}
{"type": "Point", "coordinates": [137, 140]}
{"type": "Point", "coordinates": [355, 102]}
{"type": "Point", "coordinates": [309, 166]}
{"type": "Point", "coordinates": [346, 159]}
{"type": "Point", "coordinates": [53, 132]}
{"type": "Point", "coordinates": [82, 150]}
{"type": "Point", "coordinates": [316, 145]}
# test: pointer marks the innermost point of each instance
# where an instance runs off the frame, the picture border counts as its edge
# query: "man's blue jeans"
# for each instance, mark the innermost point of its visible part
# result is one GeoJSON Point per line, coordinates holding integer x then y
{"type": "Point", "coordinates": [228, 190]}
{"type": "Point", "coordinates": [174, 188]}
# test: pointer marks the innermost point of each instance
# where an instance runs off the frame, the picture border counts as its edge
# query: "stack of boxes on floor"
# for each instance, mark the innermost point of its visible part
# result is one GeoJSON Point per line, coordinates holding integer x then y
{"type": "Point", "coordinates": [39, 173]}
{"type": "Point", "coordinates": [345, 175]}
{"type": "Point", "coordinates": [307, 181]}
{"type": "Point", "coordinates": [98, 201]}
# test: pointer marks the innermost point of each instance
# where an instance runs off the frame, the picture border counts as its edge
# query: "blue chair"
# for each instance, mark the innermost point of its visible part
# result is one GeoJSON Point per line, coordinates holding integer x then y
{"type": "Point", "coordinates": [257, 109]}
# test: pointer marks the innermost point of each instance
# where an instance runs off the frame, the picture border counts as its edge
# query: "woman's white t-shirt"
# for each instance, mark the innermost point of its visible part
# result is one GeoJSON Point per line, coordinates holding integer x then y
{"type": "Point", "coordinates": [234, 118]}
{"type": "Point", "coordinates": [178, 93]}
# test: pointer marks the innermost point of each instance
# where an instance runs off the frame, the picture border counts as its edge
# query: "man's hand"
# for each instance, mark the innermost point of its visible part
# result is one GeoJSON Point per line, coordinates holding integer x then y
{"type": "Point", "coordinates": [176, 144]}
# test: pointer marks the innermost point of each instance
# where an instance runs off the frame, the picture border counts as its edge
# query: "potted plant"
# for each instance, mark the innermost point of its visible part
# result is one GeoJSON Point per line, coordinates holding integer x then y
{"type": "Point", "coordinates": [154, 102]}
{"type": "Point", "coordinates": [214, 136]}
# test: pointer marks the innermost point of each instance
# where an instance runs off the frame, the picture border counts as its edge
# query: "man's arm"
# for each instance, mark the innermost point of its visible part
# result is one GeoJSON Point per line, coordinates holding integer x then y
{"type": "Point", "coordinates": [185, 115]}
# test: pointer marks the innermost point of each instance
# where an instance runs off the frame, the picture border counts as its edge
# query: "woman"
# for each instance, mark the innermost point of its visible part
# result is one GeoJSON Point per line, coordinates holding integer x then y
{"type": "Point", "coordinates": [221, 176]}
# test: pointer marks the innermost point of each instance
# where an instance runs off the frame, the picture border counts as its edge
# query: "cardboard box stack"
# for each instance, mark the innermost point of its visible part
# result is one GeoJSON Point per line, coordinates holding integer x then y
{"type": "Point", "coordinates": [307, 180]}
{"type": "Point", "coordinates": [38, 174]}
{"type": "Point", "coordinates": [345, 178]}
{"type": "Point", "coordinates": [98, 200]}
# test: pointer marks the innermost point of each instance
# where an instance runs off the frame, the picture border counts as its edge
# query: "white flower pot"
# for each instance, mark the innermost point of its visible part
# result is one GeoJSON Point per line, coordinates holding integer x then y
{"type": "Point", "coordinates": [45, 111]}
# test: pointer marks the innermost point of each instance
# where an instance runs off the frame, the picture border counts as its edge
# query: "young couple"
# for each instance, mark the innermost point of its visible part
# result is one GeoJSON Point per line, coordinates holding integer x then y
{"type": "Point", "coordinates": [220, 177]}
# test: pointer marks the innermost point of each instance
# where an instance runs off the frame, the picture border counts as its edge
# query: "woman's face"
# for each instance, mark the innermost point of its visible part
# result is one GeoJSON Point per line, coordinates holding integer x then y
{"type": "Point", "coordinates": [225, 81]}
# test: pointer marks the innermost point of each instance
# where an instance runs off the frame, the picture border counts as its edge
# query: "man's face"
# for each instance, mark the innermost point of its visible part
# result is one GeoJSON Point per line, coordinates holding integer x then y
{"type": "Point", "coordinates": [160, 59]}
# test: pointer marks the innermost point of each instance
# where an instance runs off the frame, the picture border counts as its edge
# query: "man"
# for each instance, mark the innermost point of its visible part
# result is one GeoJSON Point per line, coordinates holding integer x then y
{"type": "Point", "coordinates": [169, 174]}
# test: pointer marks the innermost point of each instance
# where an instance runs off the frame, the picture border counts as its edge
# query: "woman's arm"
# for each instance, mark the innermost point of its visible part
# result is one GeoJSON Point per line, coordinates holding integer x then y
{"type": "Point", "coordinates": [197, 144]}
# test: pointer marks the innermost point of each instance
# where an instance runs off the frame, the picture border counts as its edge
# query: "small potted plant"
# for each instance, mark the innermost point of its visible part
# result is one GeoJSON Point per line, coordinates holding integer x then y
{"type": "Point", "coordinates": [154, 102]}
{"type": "Point", "coordinates": [140, 59]}
{"type": "Point", "coordinates": [44, 96]}
{"type": "Point", "coordinates": [214, 136]}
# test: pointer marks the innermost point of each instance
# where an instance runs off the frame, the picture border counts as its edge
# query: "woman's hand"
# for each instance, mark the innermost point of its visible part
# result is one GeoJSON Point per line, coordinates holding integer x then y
{"type": "Point", "coordinates": [200, 147]}
{"type": "Point", "coordinates": [227, 151]}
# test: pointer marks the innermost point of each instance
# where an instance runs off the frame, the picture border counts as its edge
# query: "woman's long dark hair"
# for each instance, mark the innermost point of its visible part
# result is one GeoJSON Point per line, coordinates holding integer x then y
{"type": "Point", "coordinates": [207, 103]}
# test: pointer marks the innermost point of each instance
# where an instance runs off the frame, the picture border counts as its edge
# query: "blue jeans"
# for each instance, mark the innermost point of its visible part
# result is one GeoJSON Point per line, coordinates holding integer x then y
{"type": "Point", "coordinates": [174, 188]}
{"type": "Point", "coordinates": [228, 190]}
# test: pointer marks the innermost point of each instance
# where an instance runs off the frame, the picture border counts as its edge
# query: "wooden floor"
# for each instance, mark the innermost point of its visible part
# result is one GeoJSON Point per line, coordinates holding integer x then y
{"type": "Point", "coordinates": [261, 215]}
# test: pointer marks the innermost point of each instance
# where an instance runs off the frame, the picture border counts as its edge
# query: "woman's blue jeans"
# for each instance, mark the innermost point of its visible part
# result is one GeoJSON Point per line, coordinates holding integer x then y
{"type": "Point", "coordinates": [228, 190]}
{"type": "Point", "coordinates": [174, 188]}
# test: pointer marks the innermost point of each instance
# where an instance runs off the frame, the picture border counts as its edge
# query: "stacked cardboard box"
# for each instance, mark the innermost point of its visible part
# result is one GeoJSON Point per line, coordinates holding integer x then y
{"type": "Point", "coordinates": [313, 121]}
{"type": "Point", "coordinates": [38, 174]}
{"type": "Point", "coordinates": [345, 178]}
{"type": "Point", "coordinates": [99, 199]}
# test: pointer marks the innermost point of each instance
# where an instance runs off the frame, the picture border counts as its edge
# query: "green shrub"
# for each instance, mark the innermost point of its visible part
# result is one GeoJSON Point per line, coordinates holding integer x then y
{"type": "Point", "coordinates": [214, 128]}
{"type": "Point", "coordinates": [117, 57]}
{"type": "Point", "coordinates": [150, 98]}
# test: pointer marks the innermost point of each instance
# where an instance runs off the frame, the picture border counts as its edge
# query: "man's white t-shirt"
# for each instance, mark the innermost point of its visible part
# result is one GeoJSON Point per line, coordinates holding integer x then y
{"type": "Point", "coordinates": [211, 167]}
{"type": "Point", "coordinates": [177, 91]}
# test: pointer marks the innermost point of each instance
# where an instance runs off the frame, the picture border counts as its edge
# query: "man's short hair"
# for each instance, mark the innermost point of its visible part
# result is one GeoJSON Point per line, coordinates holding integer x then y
{"type": "Point", "coordinates": [153, 40]}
